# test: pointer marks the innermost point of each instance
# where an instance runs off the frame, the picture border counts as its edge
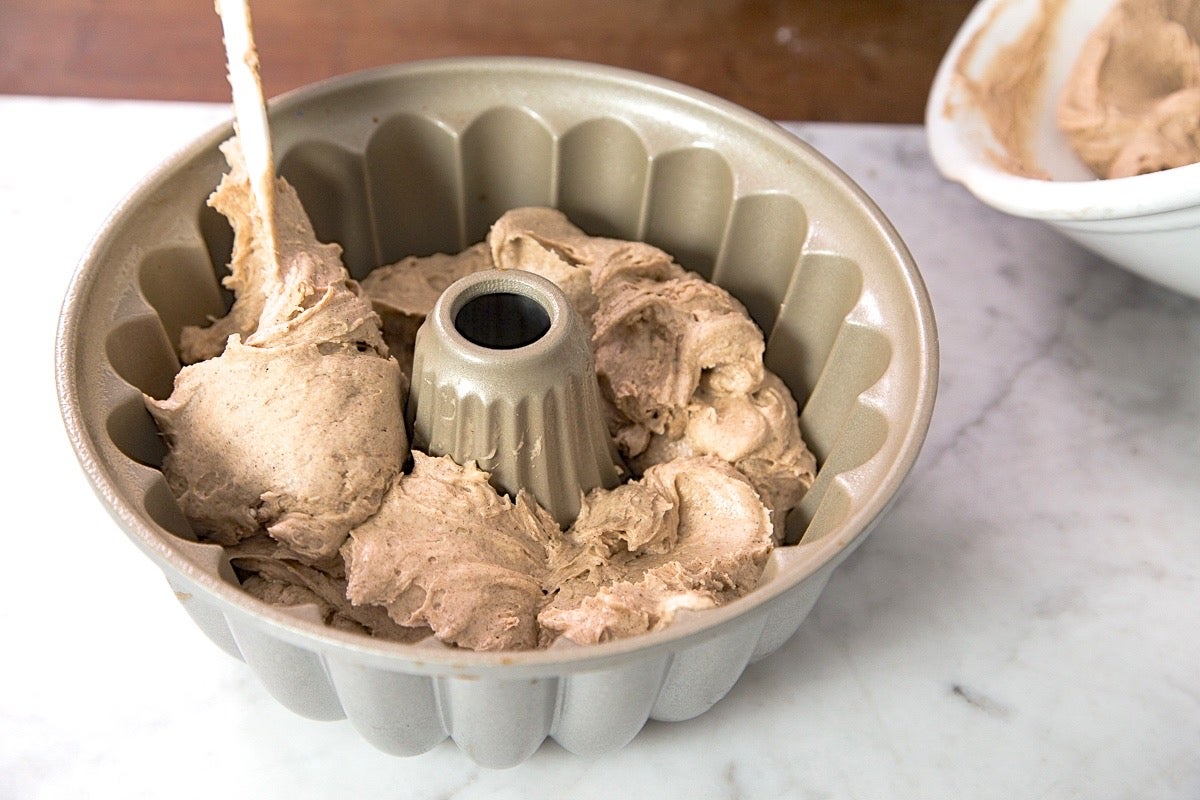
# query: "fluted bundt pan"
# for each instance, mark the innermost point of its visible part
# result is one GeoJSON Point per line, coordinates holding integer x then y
{"type": "Point", "coordinates": [422, 158]}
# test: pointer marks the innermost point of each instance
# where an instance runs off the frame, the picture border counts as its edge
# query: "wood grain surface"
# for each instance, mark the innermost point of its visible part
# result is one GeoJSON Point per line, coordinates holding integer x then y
{"type": "Point", "coordinates": [832, 60]}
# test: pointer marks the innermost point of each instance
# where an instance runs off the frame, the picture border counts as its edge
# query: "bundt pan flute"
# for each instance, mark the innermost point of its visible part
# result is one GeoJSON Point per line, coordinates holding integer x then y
{"type": "Point", "coordinates": [422, 158]}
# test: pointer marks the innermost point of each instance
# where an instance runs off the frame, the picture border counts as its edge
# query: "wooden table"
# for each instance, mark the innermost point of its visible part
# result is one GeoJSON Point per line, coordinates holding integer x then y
{"type": "Point", "coordinates": [829, 60]}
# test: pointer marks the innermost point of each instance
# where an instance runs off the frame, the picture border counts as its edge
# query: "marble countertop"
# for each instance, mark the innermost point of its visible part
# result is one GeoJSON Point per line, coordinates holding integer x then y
{"type": "Point", "coordinates": [1024, 622]}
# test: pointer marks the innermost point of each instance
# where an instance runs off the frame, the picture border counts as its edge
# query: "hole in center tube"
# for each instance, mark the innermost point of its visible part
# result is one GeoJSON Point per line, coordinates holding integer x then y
{"type": "Point", "coordinates": [502, 321]}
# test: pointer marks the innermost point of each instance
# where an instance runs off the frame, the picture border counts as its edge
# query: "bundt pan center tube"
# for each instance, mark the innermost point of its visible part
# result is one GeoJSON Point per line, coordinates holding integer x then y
{"type": "Point", "coordinates": [503, 376]}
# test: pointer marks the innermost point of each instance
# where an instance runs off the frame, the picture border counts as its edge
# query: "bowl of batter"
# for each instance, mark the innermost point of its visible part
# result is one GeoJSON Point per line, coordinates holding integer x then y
{"type": "Point", "coordinates": [1085, 115]}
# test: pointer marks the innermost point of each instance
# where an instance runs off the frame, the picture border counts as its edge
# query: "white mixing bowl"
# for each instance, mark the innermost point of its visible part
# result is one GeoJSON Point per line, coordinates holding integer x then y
{"type": "Point", "coordinates": [1149, 224]}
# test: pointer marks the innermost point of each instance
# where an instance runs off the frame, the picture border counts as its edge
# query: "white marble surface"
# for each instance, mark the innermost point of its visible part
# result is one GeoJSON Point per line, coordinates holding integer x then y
{"type": "Point", "coordinates": [1025, 622]}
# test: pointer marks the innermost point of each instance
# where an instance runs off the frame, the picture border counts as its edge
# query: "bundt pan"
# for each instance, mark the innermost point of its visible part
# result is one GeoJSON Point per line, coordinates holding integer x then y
{"type": "Point", "coordinates": [422, 158]}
